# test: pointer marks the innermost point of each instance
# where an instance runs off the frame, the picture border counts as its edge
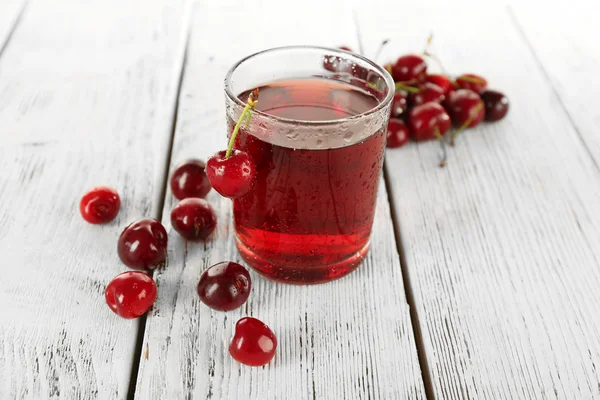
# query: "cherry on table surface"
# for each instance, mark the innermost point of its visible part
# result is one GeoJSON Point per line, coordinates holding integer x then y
{"type": "Point", "coordinates": [496, 105]}
{"type": "Point", "coordinates": [472, 82]}
{"type": "Point", "coordinates": [143, 244]}
{"type": "Point", "coordinates": [427, 121]}
{"type": "Point", "coordinates": [224, 286]}
{"type": "Point", "coordinates": [428, 92]}
{"type": "Point", "coordinates": [442, 81]}
{"type": "Point", "coordinates": [399, 104]}
{"type": "Point", "coordinates": [100, 205]}
{"type": "Point", "coordinates": [130, 294]}
{"type": "Point", "coordinates": [410, 68]}
{"type": "Point", "coordinates": [190, 180]}
{"type": "Point", "coordinates": [397, 133]}
{"type": "Point", "coordinates": [233, 176]}
{"type": "Point", "coordinates": [254, 343]}
{"type": "Point", "coordinates": [194, 219]}
{"type": "Point", "coordinates": [465, 108]}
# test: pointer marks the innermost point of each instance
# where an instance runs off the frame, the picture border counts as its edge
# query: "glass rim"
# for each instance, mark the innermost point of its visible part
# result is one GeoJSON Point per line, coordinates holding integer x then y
{"type": "Point", "coordinates": [331, 52]}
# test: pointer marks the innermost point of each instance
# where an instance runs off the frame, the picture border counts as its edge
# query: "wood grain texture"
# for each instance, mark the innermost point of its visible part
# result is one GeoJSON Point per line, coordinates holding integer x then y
{"type": "Point", "coordinates": [10, 11]}
{"type": "Point", "coordinates": [350, 339]}
{"type": "Point", "coordinates": [501, 246]}
{"type": "Point", "coordinates": [87, 93]}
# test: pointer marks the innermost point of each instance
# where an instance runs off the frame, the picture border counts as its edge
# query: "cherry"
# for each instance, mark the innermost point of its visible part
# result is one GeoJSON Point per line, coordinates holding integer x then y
{"type": "Point", "coordinates": [442, 81]}
{"type": "Point", "coordinates": [410, 68]}
{"type": "Point", "coordinates": [466, 108]}
{"type": "Point", "coordinates": [428, 121]}
{"type": "Point", "coordinates": [399, 104]}
{"type": "Point", "coordinates": [130, 294]}
{"type": "Point", "coordinates": [190, 180]}
{"type": "Point", "coordinates": [100, 205]}
{"type": "Point", "coordinates": [194, 219]}
{"type": "Point", "coordinates": [428, 92]}
{"type": "Point", "coordinates": [224, 286]}
{"type": "Point", "coordinates": [143, 244]}
{"type": "Point", "coordinates": [496, 105]}
{"type": "Point", "coordinates": [254, 343]}
{"type": "Point", "coordinates": [397, 133]}
{"type": "Point", "coordinates": [231, 176]}
{"type": "Point", "coordinates": [472, 82]}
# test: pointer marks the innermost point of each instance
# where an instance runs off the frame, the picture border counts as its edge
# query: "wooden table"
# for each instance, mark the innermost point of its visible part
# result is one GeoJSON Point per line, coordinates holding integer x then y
{"type": "Point", "coordinates": [495, 293]}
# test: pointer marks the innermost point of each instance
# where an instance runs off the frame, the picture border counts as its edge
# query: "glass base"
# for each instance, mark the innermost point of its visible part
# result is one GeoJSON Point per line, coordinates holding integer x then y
{"type": "Point", "coordinates": [297, 275]}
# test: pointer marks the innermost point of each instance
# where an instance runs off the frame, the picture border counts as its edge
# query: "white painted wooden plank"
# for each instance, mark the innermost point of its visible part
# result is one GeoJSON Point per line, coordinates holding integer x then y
{"type": "Point", "coordinates": [10, 10]}
{"type": "Point", "coordinates": [501, 246]}
{"type": "Point", "coordinates": [350, 339]}
{"type": "Point", "coordinates": [87, 95]}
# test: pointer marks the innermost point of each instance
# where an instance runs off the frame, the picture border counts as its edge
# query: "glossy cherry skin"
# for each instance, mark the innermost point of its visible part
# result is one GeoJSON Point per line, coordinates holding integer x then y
{"type": "Point", "coordinates": [428, 92]}
{"type": "Point", "coordinates": [399, 104]}
{"type": "Point", "coordinates": [424, 119]}
{"type": "Point", "coordinates": [397, 133]}
{"type": "Point", "coordinates": [224, 286]}
{"type": "Point", "coordinates": [194, 219]}
{"type": "Point", "coordinates": [496, 105]}
{"type": "Point", "coordinates": [472, 82]}
{"type": "Point", "coordinates": [100, 205]}
{"type": "Point", "coordinates": [410, 68]}
{"type": "Point", "coordinates": [190, 180]}
{"type": "Point", "coordinates": [465, 108]}
{"type": "Point", "coordinates": [232, 177]}
{"type": "Point", "coordinates": [143, 244]}
{"type": "Point", "coordinates": [254, 343]}
{"type": "Point", "coordinates": [442, 81]}
{"type": "Point", "coordinates": [130, 294]}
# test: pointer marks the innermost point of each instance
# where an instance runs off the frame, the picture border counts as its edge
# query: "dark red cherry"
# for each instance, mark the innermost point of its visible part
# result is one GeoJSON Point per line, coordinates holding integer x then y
{"type": "Point", "coordinates": [143, 244]}
{"type": "Point", "coordinates": [194, 219]}
{"type": "Point", "coordinates": [397, 133]}
{"type": "Point", "coordinates": [190, 180]}
{"type": "Point", "coordinates": [427, 92]}
{"type": "Point", "coordinates": [442, 81]}
{"type": "Point", "coordinates": [100, 205]}
{"type": "Point", "coordinates": [399, 104]}
{"type": "Point", "coordinates": [224, 286]}
{"type": "Point", "coordinates": [232, 177]}
{"type": "Point", "coordinates": [428, 120]}
{"type": "Point", "coordinates": [465, 108]}
{"type": "Point", "coordinates": [496, 105]}
{"type": "Point", "coordinates": [130, 294]}
{"type": "Point", "coordinates": [254, 343]}
{"type": "Point", "coordinates": [472, 82]}
{"type": "Point", "coordinates": [410, 68]}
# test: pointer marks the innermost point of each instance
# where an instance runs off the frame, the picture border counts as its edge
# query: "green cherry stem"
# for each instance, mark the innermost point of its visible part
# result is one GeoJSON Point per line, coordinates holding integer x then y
{"type": "Point", "coordinates": [471, 79]}
{"type": "Point", "coordinates": [252, 100]}
{"type": "Point", "coordinates": [407, 88]}
{"type": "Point", "coordinates": [442, 142]}
{"type": "Point", "coordinates": [466, 123]}
{"type": "Point", "coordinates": [437, 60]}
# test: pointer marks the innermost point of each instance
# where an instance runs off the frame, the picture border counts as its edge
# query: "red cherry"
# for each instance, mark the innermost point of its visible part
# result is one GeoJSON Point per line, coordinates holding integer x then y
{"type": "Point", "coordinates": [428, 92]}
{"type": "Point", "coordinates": [397, 133]}
{"type": "Point", "coordinates": [442, 81]}
{"type": "Point", "coordinates": [254, 343]}
{"type": "Point", "coordinates": [194, 219]}
{"type": "Point", "coordinates": [410, 68]}
{"type": "Point", "coordinates": [472, 82]}
{"type": "Point", "coordinates": [424, 119]}
{"type": "Point", "coordinates": [100, 205]}
{"type": "Point", "coordinates": [130, 294]}
{"type": "Point", "coordinates": [465, 108]}
{"type": "Point", "coordinates": [232, 177]}
{"type": "Point", "coordinates": [190, 180]}
{"type": "Point", "coordinates": [143, 244]}
{"type": "Point", "coordinates": [399, 104]}
{"type": "Point", "coordinates": [496, 105]}
{"type": "Point", "coordinates": [224, 286]}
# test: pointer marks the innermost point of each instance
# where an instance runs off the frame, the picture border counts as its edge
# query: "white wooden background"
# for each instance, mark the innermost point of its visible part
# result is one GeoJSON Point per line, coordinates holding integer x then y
{"type": "Point", "coordinates": [495, 294]}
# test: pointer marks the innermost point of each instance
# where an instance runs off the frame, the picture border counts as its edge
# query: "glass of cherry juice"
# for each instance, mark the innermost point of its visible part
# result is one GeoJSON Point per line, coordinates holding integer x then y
{"type": "Point", "coordinates": [317, 136]}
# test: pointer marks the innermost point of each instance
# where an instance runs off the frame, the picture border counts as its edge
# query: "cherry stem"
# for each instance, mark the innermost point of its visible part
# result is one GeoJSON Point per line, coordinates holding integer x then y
{"type": "Point", "coordinates": [407, 88]}
{"type": "Point", "coordinates": [380, 48]}
{"type": "Point", "coordinates": [252, 100]}
{"type": "Point", "coordinates": [440, 139]}
{"type": "Point", "coordinates": [429, 40]}
{"type": "Point", "coordinates": [437, 60]}
{"type": "Point", "coordinates": [464, 126]}
{"type": "Point", "coordinates": [471, 79]}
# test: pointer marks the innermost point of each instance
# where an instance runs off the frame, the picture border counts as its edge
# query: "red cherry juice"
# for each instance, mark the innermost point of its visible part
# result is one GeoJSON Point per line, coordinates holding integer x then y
{"type": "Point", "coordinates": [309, 216]}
